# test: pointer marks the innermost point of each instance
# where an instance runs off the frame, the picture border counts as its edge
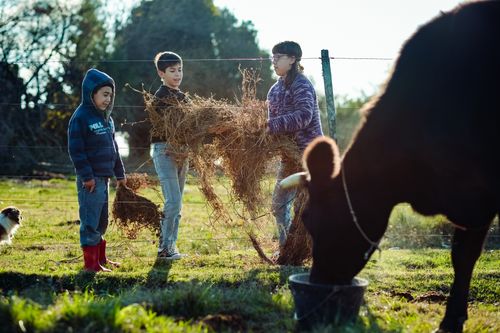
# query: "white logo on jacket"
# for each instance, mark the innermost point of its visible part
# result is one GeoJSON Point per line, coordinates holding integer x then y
{"type": "Point", "coordinates": [98, 128]}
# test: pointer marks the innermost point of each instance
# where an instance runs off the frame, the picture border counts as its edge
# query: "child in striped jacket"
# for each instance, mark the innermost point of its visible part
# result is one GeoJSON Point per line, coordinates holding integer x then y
{"type": "Point", "coordinates": [292, 110]}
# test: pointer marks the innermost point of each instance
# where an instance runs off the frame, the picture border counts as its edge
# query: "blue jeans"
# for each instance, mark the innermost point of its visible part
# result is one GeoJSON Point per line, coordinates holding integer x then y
{"type": "Point", "coordinates": [93, 209]}
{"type": "Point", "coordinates": [172, 179]}
{"type": "Point", "coordinates": [281, 206]}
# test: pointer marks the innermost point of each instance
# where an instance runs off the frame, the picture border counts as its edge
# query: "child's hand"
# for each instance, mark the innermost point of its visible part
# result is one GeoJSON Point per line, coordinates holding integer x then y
{"type": "Point", "coordinates": [89, 185]}
{"type": "Point", "coordinates": [121, 182]}
{"type": "Point", "coordinates": [126, 126]}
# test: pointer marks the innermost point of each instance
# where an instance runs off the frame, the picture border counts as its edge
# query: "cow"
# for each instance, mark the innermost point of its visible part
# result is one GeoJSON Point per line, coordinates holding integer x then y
{"type": "Point", "coordinates": [431, 138]}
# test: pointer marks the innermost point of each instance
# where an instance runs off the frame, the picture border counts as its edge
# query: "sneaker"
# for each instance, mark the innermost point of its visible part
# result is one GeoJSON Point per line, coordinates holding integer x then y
{"type": "Point", "coordinates": [174, 255]}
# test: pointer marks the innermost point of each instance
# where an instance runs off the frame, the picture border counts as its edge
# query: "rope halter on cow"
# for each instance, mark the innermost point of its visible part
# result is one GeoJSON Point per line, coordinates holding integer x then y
{"type": "Point", "coordinates": [374, 246]}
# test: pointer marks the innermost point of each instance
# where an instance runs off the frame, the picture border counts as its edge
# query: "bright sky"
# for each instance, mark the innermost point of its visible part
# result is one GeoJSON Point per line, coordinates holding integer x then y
{"type": "Point", "coordinates": [347, 28]}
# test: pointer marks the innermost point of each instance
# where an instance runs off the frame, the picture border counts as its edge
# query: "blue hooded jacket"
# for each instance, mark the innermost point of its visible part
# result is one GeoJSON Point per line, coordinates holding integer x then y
{"type": "Point", "coordinates": [91, 134]}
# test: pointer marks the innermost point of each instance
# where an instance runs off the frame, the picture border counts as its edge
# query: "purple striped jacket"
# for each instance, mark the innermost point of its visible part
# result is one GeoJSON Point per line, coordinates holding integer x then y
{"type": "Point", "coordinates": [294, 111]}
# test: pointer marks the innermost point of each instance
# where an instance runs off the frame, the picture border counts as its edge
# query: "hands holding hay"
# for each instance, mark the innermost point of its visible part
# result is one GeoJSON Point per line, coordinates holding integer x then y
{"type": "Point", "coordinates": [216, 134]}
{"type": "Point", "coordinates": [210, 131]}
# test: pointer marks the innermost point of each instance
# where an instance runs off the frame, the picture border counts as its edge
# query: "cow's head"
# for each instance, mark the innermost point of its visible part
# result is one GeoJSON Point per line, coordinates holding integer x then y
{"type": "Point", "coordinates": [338, 249]}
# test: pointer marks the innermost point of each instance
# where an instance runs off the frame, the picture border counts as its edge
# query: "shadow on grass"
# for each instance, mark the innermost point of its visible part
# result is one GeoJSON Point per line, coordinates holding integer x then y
{"type": "Point", "coordinates": [158, 275]}
{"type": "Point", "coordinates": [82, 280]}
{"type": "Point", "coordinates": [221, 307]}
{"type": "Point", "coordinates": [252, 304]}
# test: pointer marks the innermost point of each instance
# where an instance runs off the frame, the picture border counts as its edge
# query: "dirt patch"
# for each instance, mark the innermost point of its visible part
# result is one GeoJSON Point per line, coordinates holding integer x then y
{"type": "Point", "coordinates": [431, 297]}
{"type": "Point", "coordinates": [222, 322]}
{"type": "Point", "coordinates": [44, 175]}
{"type": "Point", "coordinates": [35, 248]}
{"type": "Point", "coordinates": [69, 222]}
{"type": "Point", "coordinates": [406, 295]}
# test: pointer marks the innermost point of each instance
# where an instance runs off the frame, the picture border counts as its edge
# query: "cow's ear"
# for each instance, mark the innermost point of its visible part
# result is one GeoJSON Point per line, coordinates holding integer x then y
{"type": "Point", "coordinates": [321, 159]}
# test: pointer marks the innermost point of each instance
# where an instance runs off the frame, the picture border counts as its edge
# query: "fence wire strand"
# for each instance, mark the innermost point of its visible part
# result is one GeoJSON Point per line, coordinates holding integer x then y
{"type": "Point", "coordinates": [261, 59]}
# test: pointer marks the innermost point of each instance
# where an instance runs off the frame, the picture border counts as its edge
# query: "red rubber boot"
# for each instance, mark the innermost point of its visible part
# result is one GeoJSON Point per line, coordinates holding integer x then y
{"type": "Point", "coordinates": [90, 256]}
{"type": "Point", "coordinates": [103, 260]}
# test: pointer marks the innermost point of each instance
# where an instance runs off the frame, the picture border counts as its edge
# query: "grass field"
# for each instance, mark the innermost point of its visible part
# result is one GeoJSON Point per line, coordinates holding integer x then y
{"type": "Point", "coordinates": [221, 286]}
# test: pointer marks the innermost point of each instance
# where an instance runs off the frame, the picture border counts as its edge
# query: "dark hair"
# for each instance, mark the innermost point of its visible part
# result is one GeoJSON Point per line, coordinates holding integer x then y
{"type": "Point", "coordinates": [163, 60]}
{"type": "Point", "coordinates": [290, 49]}
{"type": "Point", "coordinates": [107, 84]}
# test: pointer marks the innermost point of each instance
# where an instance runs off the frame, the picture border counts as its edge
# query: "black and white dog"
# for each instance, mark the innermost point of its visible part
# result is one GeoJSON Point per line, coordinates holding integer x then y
{"type": "Point", "coordinates": [10, 220]}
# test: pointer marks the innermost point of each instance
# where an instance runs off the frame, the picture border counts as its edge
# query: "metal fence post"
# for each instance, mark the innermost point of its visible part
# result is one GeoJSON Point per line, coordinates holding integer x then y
{"type": "Point", "coordinates": [330, 104]}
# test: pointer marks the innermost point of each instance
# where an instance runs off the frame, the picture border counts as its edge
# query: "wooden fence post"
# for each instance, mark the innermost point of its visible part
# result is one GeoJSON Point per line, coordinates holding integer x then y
{"type": "Point", "coordinates": [330, 104]}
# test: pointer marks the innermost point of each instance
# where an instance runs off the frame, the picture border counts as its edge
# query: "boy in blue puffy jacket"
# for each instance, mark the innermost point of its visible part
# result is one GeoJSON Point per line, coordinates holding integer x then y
{"type": "Point", "coordinates": [94, 152]}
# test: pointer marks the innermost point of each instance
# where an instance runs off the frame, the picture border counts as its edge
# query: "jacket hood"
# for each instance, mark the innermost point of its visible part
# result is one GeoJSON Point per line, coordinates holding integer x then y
{"type": "Point", "coordinates": [95, 78]}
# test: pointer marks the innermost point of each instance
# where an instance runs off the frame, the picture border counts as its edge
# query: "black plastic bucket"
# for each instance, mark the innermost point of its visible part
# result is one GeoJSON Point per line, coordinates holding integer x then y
{"type": "Point", "coordinates": [325, 303]}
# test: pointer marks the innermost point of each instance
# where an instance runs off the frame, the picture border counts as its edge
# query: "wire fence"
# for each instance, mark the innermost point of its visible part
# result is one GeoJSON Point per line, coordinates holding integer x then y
{"type": "Point", "coordinates": [244, 243]}
{"type": "Point", "coordinates": [68, 166]}
{"type": "Point", "coordinates": [51, 158]}
{"type": "Point", "coordinates": [260, 59]}
{"type": "Point", "coordinates": [72, 106]}
{"type": "Point", "coordinates": [31, 203]}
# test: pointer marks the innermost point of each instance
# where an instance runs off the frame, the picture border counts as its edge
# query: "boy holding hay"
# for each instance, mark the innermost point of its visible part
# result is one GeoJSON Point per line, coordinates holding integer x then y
{"type": "Point", "coordinates": [170, 168]}
{"type": "Point", "coordinates": [292, 110]}
{"type": "Point", "coordinates": [95, 156]}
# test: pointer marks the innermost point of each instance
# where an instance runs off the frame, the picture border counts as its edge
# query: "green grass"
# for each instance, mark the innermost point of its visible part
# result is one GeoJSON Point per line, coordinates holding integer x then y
{"type": "Point", "coordinates": [221, 286]}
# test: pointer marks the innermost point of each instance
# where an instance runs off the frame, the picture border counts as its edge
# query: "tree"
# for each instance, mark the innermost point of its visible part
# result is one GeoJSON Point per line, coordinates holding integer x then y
{"type": "Point", "coordinates": [88, 45]}
{"type": "Point", "coordinates": [10, 102]}
{"type": "Point", "coordinates": [44, 40]}
{"type": "Point", "coordinates": [30, 36]}
{"type": "Point", "coordinates": [32, 33]}
{"type": "Point", "coordinates": [198, 31]}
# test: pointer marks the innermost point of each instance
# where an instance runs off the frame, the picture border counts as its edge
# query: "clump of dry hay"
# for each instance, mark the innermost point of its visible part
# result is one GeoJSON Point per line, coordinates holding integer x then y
{"type": "Point", "coordinates": [219, 134]}
{"type": "Point", "coordinates": [133, 212]}
{"type": "Point", "coordinates": [136, 181]}
{"type": "Point", "coordinates": [298, 245]}
{"type": "Point", "coordinates": [207, 130]}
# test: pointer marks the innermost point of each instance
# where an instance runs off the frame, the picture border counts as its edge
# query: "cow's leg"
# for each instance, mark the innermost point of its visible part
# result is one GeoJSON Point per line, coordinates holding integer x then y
{"type": "Point", "coordinates": [466, 249]}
